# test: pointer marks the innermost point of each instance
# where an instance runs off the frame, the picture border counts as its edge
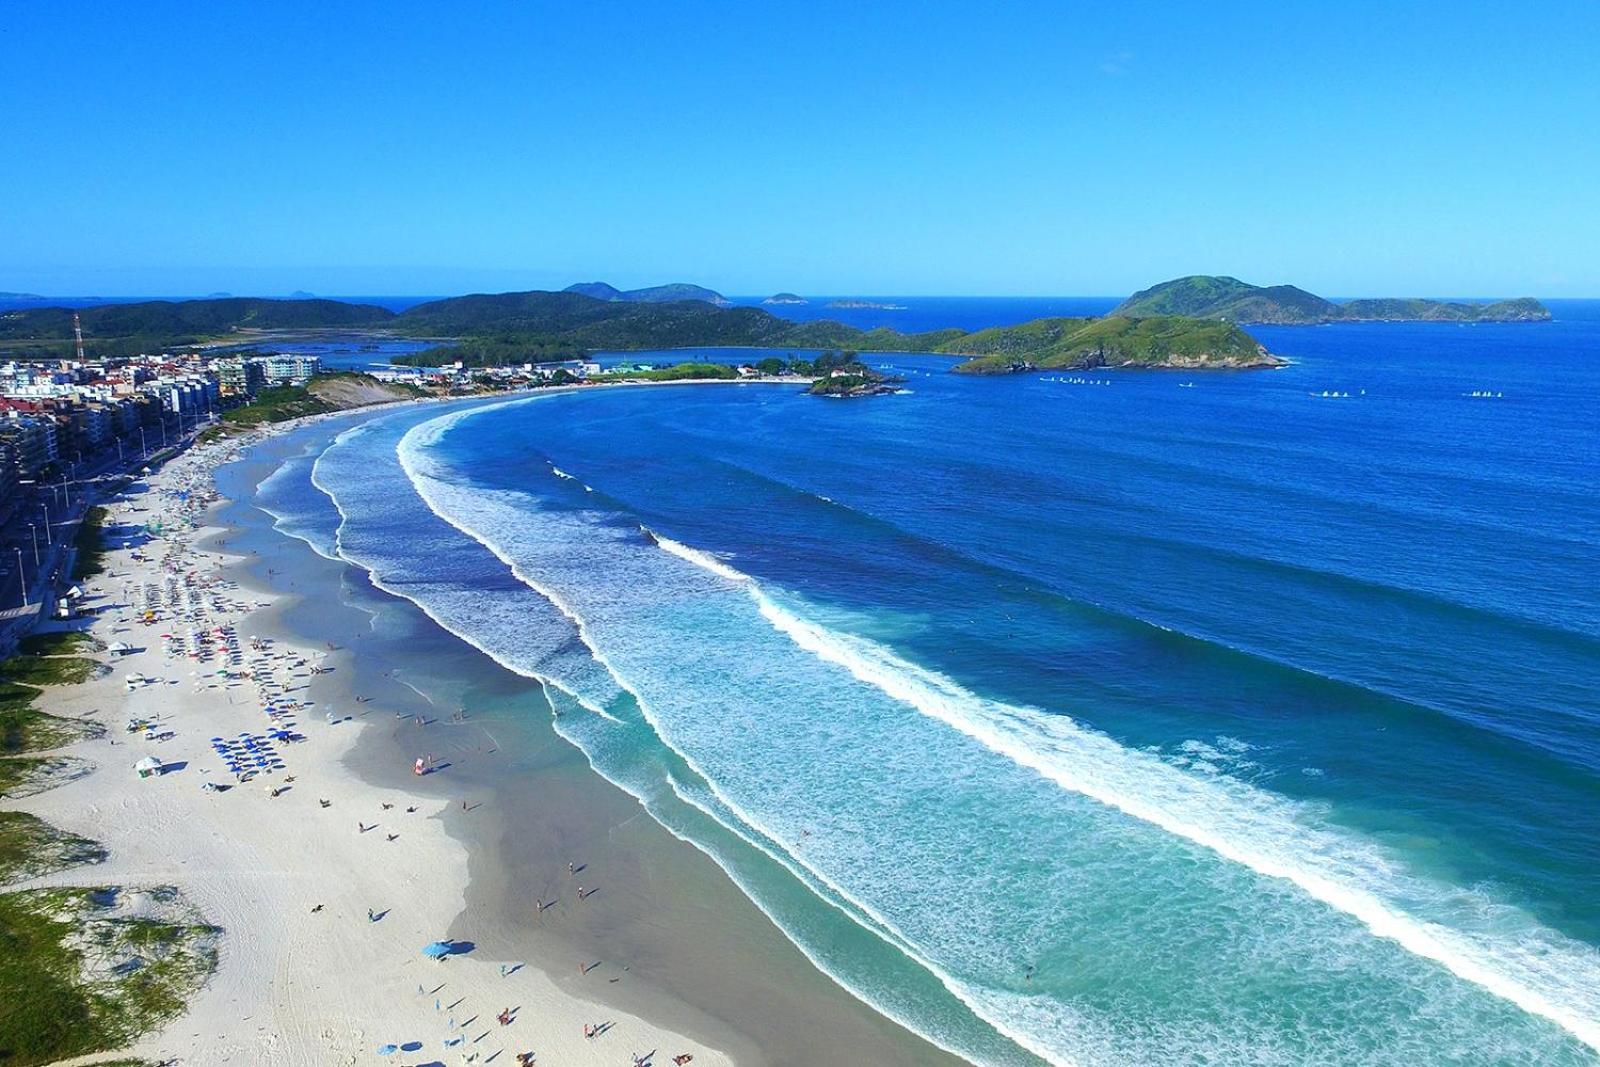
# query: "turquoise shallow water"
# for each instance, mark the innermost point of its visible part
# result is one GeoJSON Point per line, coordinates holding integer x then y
{"type": "Point", "coordinates": [1105, 723]}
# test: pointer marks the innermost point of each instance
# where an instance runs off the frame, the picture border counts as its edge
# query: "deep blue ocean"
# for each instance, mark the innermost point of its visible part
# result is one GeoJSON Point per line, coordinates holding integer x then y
{"type": "Point", "coordinates": [1116, 718]}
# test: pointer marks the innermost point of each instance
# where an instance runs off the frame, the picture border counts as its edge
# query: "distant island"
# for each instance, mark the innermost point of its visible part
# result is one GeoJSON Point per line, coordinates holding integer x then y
{"type": "Point", "coordinates": [656, 294]}
{"type": "Point", "coordinates": [21, 296]}
{"type": "Point", "coordinates": [1190, 323]}
{"type": "Point", "coordinates": [785, 298]}
{"type": "Point", "coordinates": [867, 304]}
{"type": "Point", "coordinates": [1209, 296]}
{"type": "Point", "coordinates": [1161, 341]}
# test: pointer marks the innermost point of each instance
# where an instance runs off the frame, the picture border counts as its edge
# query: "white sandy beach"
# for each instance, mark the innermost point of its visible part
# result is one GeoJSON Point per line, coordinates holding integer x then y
{"type": "Point", "coordinates": [305, 976]}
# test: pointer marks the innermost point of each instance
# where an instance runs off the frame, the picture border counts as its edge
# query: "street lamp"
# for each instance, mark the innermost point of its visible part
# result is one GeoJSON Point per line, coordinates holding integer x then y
{"type": "Point", "coordinates": [34, 530]}
{"type": "Point", "coordinates": [22, 582]}
{"type": "Point", "coordinates": [46, 505]}
{"type": "Point", "coordinates": [144, 449]}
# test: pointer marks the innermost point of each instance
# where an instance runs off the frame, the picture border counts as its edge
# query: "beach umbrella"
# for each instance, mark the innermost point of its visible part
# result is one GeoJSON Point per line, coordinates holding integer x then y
{"type": "Point", "coordinates": [437, 950]}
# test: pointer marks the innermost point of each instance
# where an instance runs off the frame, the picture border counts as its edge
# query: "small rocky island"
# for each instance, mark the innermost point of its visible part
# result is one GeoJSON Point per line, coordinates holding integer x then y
{"type": "Point", "coordinates": [842, 374]}
{"type": "Point", "coordinates": [785, 298]}
{"type": "Point", "coordinates": [860, 305]}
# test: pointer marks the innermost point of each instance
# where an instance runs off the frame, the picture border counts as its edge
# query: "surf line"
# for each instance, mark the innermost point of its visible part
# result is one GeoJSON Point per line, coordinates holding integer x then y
{"type": "Point", "coordinates": [937, 697]}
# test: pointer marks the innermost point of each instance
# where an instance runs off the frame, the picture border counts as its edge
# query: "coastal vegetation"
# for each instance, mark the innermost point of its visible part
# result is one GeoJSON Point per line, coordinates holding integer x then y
{"type": "Point", "coordinates": [25, 729]}
{"type": "Point", "coordinates": [1114, 341]}
{"type": "Point", "coordinates": [59, 643]}
{"type": "Point", "coordinates": [154, 325]}
{"type": "Point", "coordinates": [676, 373]}
{"type": "Point", "coordinates": [499, 350]}
{"type": "Point", "coordinates": [89, 545]}
{"type": "Point", "coordinates": [80, 973]}
{"type": "Point", "coordinates": [1219, 297]}
{"type": "Point", "coordinates": [82, 970]}
{"type": "Point", "coordinates": [49, 670]}
{"type": "Point", "coordinates": [31, 848]}
{"type": "Point", "coordinates": [339, 391]}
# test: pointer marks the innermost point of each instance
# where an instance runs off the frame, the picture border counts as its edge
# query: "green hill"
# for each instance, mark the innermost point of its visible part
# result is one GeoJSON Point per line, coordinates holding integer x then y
{"type": "Point", "coordinates": [511, 327]}
{"type": "Point", "coordinates": [1219, 297]}
{"type": "Point", "coordinates": [500, 328]}
{"type": "Point", "coordinates": [655, 294]}
{"type": "Point", "coordinates": [1114, 341]}
{"type": "Point", "coordinates": [1525, 309]}
{"type": "Point", "coordinates": [120, 329]}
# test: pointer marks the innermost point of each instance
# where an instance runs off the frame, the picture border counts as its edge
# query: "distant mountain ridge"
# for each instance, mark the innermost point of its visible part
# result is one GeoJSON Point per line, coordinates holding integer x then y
{"type": "Point", "coordinates": [490, 328]}
{"type": "Point", "coordinates": [655, 294]}
{"type": "Point", "coordinates": [1209, 296]}
{"type": "Point", "coordinates": [512, 327]}
{"type": "Point", "coordinates": [152, 325]}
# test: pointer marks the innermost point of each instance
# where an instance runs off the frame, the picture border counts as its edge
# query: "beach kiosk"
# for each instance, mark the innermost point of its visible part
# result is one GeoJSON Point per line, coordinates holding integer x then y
{"type": "Point", "coordinates": [149, 767]}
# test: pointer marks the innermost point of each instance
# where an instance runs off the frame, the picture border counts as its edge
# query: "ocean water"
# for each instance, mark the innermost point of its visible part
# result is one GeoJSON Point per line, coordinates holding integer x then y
{"type": "Point", "coordinates": [1116, 718]}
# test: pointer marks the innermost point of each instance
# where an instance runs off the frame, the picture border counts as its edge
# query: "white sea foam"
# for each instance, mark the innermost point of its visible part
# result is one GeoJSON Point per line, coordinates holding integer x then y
{"type": "Point", "coordinates": [1545, 973]}
{"type": "Point", "coordinates": [476, 609]}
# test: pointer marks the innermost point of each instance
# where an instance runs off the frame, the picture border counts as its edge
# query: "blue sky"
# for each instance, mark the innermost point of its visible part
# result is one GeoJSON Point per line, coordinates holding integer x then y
{"type": "Point", "coordinates": [1027, 148]}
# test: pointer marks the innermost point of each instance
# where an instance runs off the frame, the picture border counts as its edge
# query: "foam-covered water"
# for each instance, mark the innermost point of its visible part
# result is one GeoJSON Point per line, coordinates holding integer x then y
{"type": "Point", "coordinates": [1113, 732]}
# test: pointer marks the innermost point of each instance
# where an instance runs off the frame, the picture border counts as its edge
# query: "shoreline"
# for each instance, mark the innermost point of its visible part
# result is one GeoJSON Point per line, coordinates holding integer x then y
{"type": "Point", "coordinates": [288, 990]}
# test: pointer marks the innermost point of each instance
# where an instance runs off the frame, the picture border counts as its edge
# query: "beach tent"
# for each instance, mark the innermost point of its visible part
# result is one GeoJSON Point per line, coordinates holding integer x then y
{"type": "Point", "coordinates": [149, 767]}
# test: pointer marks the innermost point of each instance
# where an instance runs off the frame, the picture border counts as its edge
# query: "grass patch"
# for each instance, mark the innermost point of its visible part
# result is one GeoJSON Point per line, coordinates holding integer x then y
{"type": "Point", "coordinates": [77, 977]}
{"type": "Point", "coordinates": [32, 848]}
{"type": "Point", "coordinates": [23, 776]}
{"type": "Point", "coordinates": [91, 545]}
{"type": "Point", "coordinates": [677, 373]}
{"type": "Point", "coordinates": [59, 643]}
{"type": "Point", "coordinates": [50, 670]}
{"type": "Point", "coordinates": [24, 728]}
{"type": "Point", "coordinates": [276, 404]}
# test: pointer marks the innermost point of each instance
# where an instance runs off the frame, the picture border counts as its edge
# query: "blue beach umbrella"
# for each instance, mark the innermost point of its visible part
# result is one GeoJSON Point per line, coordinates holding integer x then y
{"type": "Point", "coordinates": [437, 950]}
